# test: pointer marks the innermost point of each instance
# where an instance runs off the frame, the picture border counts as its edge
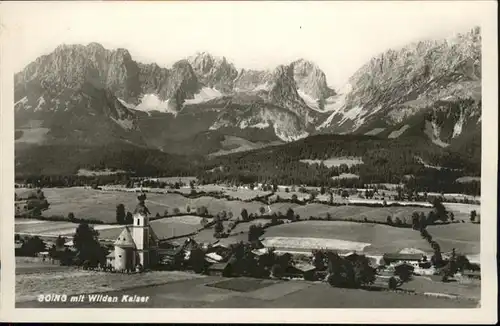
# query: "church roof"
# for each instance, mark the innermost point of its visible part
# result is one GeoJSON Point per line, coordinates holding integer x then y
{"type": "Point", "coordinates": [125, 239]}
{"type": "Point", "coordinates": [153, 238]}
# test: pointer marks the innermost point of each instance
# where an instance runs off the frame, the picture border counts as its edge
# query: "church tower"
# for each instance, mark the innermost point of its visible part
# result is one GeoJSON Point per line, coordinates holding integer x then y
{"type": "Point", "coordinates": [140, 233]}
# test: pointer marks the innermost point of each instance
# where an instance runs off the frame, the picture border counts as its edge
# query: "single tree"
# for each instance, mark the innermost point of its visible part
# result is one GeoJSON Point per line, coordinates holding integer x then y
{"type": "Point", "coordinates": [452, 216]}
{"type": "Point", "coordinates": [473, 215]}
{"type": "Point", "coordinates": [262, 210]}
{"type": "Point", "coordinates": [129, 218]}
{"type": "Point", "coordinates": [244, 215]}
{"type": "Point", "coordinates": [254, 232]}
{"type": "Point", "coordinates": [120, 214]}
{"type": "Point", "coordinates": [71, 216]}
{"type": "Point", "coordinates": [319, 259]}
{"type": "Point", "coordinates": [404, 272]}
{"type": "Point", "coordinates": [86, 243]}
{"type": "Point", "coordinates": [60, 241]}
{"type": "Point", "coordinates": [218, 227]}
{"type": "Point", "coordinates": [393, 283]}
{"type": "Point", "coordinates": [197, 260]}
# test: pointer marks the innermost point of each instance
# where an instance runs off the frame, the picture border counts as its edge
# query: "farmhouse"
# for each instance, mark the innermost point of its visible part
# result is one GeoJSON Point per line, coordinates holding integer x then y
{"type": "Point", "coordinates": [412, 259]}
{"type": "Point", "coordinates": [301, 269]}
{"type": "Point", "coordinates": [220, 269]}
{"type": "Point", "coordinates": [21, 206]}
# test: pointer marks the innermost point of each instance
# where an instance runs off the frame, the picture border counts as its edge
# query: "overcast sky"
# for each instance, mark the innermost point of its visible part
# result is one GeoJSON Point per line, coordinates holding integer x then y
{"type": "Point", "coordinates": [338, 36]}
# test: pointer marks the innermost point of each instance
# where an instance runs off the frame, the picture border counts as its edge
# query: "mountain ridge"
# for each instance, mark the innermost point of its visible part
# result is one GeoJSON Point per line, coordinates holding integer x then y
{"type": "Point", "coordinates": [85, 94]}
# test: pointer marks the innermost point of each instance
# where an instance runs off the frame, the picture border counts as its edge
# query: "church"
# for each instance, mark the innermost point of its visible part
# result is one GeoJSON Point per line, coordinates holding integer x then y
{"type": "Point", "coordinates": [137, 245]}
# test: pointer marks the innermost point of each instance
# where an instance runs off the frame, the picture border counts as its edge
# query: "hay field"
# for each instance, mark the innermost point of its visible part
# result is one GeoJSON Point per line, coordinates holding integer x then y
{"type": "Point", "coordinates": [381, 238]}
{"type": "Point", "coordinates": [243, 227]}
{"type": "Point", "coordinates": [464, 237]}
{"type": "Point", "coordinates": [346, 212]}
{"type": "Point", "coordinates": [462, 211]}
{"type": "Point", "coordinates": [101, 205]}
{"type": "Point", "coordinates": [185, 180]}
{"type": "Point", "coordinates": [203, 293]}
{"type": "Point", "coordinates": [53, 228]}
{"type": "Point", "coordinates": [164, 228]}
{"type": "Point", "coordinates": [304, 243]}
{"type": "Point", "coordinates": [72, 281]}
{"type": "Point", "coordinates": [336, 161]}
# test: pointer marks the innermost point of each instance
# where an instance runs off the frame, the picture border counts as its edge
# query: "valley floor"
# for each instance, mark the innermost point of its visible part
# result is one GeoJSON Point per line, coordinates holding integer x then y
{"type": "Point", "coordinates": [176, 289]}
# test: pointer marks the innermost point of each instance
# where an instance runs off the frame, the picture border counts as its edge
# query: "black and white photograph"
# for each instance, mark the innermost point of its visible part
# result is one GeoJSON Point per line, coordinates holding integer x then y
{"type": "Point", "coordinates": [296, 155]}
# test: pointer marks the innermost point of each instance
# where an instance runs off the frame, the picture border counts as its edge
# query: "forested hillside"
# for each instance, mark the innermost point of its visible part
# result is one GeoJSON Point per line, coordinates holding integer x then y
{"type": "Point", "coordinates": [409, 159]}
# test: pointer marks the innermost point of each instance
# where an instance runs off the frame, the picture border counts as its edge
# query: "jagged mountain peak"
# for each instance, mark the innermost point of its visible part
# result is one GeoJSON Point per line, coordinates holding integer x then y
{"type": "Point", "coordinates": [214, 72]}
{"type": "Point", "coordinates": [415, 86]}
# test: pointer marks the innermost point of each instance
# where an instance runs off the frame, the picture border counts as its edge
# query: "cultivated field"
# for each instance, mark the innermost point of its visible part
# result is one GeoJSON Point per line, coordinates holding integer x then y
{"type": "Point", "coordinates": [303, 243]}
{"type": "Point", "coordinates": [32, 136]}
{"type": "Point", "coordinates": [462, 211]}
{"type": "Point", "coordinates": [345, 176]}
{"type": "Point", "coordinates": [164, 228]}
{"type": "Point", "coordinates": [90, 173]}
{"type": "Point", "coordinates": [336, 161]}
{"type": "Point", "coordinates": [183, 290]}
{"type": "Point", "coordinates": [349, 212]}
{"type": "Point", "coordinates": [101, 205]}
{"type": "Point", "coordinates": [185, 180]}
{"type": "Point", "coordinates": [382, 238]}
{"type": "Point", "coordinates": [52, 228]}
{"type": "Point", "coordinates": [72, 281]}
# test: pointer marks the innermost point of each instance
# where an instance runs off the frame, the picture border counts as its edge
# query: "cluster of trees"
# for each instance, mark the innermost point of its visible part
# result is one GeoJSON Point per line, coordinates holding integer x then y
{"type": "Point", "coordinates": [385, 161]}
{"type": "Point", "coordinates": [438, 213]}
{"type": "Point", "coordinates": [475, 217]}
{"type": "Point", "coordinates": [88, 251]}
{"type": "Point", "coordinates": [403, 273]}
{"type": "Point", "coordinates": [30, 246]}
{"type": "Point", "coordinates": [353, 271]}
{"type": "Point", "coordinates": [123, 217]}
{"type": "Point", "coordinates": [45, 160]}
{"type": "Point", "coordinates": [35, 203]}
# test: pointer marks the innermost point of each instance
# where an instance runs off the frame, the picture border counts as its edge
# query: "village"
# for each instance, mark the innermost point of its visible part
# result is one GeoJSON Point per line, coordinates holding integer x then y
{"type": "Point", "coordinates": [137, 248]}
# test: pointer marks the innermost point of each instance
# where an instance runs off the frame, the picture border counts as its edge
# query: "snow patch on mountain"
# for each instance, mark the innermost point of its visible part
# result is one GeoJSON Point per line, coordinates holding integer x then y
{"type": "Point", "coordinates": [433, 131]}
{"type": "Point", "coordinates": [41, 101]}
{"type": "Point", "coordinates": [335, 104]}
{"type": "Point", "coordinates": [24, 100]}
{"type": "Point", "coordinates": [399, 132]}
{"type": "Point", "coordinates": [260, 125]}
{"type": "Point", "coordinates": [262, 87]}
{"type": "Point", "coordinates": [285, 135]}
{"type": "Point", "coordinates": [311, 102]}
{"type": "Point", "coordinates": [374, 131]}
{"type": "Point", "coordinates": [151, 102]}
{"type": "Point", "coordinates": [205, 94]}
{"type": "Point", "coordinates": [457, 128]}
{"type": "Point", "coordinates": [351, 114]}
{"type": "Point", "coordinates": [127, 105]}
{"type": "Point", "coordinates": [126, 124]}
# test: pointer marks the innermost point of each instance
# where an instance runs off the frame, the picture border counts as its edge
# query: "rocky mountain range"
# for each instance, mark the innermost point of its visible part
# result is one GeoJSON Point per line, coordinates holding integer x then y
{"type": "Point", "coordinates": [91, 95]}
